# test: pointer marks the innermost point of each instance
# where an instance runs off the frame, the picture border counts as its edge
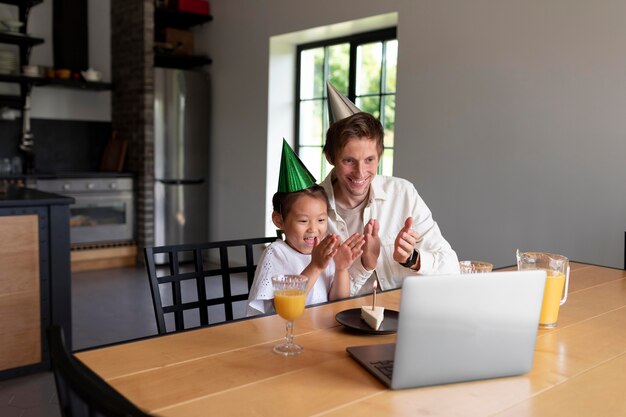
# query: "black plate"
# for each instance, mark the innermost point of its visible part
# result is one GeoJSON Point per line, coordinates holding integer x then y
{"type": "Point", "coordinates": [352, 320]}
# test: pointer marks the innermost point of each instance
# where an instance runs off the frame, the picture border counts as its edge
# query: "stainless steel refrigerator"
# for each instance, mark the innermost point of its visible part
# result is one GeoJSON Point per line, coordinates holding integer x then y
{"type": "Point", "coordinates": [181, 156]}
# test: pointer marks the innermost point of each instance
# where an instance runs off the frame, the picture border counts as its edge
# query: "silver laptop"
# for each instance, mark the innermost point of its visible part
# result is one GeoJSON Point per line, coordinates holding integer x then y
{"type": "Point", "coordinates": [455, 328]}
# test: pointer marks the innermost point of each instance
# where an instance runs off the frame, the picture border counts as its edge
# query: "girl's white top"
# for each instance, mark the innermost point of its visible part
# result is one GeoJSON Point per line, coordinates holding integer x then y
{"type": "Point", "coordinates": [281, 259]}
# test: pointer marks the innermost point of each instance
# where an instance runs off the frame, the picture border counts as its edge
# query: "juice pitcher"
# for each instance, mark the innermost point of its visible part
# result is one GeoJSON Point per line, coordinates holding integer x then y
{"type": "Point", "coordinates": [557, 281]}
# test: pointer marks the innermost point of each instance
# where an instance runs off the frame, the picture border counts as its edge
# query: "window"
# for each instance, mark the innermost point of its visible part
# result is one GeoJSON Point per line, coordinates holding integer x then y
{"type": "Point", "coordinates": [363, 68]}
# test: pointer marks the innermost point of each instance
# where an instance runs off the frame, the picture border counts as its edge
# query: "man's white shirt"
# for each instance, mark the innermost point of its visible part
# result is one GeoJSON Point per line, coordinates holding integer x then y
{"type": "Point", "coordinates": [391, 201]}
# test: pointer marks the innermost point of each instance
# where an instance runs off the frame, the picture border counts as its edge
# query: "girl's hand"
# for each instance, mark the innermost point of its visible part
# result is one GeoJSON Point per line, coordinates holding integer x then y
{"type": "Point", "coordinates": [349, 251]}
{"type": "Point", "coordinates": [324, 251]}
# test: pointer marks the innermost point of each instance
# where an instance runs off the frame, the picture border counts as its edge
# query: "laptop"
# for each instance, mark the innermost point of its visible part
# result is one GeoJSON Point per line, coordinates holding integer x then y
{"type": "Point", "coordinates": [455, 328]}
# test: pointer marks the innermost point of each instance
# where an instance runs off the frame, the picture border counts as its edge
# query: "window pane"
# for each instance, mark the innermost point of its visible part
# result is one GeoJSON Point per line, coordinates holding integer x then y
{"type": "Point", "coordinates": [369, 105]}
{"type": "Point", "coordinates": [311, 127]}
{"type": "Point", "coordinates": [326, 168]}
{"type": "Point", "coordinates": [374, 95]}
{"type": "Point", "coordinates": [312, 73]}
{"type": "Point", "coordinates": [368, 66]}
{"type": "Point", "coordinates": [387, 162]}
{"type": "Point", "coordinates": [391, 66]}
{"type": "Point", "coordinates": [338, 66]}
{"type": "Point", "coordinates": [389, 118]}
{"type": "Point", "coordinates": [311, 157]}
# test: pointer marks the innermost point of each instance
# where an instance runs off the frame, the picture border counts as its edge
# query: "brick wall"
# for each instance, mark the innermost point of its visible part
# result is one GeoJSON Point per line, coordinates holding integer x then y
{"type": "Point", "coordinates": [132, 56]}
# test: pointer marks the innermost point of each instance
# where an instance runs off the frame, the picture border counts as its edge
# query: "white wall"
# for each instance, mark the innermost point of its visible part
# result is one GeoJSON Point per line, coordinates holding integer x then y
{"type": "Point", "coordinates": [61, 103]}
{"type": "Point", "coordinates": [510, 118]}
{"type": "Point", "coordinates": [513, 115]}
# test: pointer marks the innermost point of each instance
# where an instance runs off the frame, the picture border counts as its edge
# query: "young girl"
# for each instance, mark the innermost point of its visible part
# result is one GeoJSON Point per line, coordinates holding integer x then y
{"type": "Point", "coordinates": [306, 250]}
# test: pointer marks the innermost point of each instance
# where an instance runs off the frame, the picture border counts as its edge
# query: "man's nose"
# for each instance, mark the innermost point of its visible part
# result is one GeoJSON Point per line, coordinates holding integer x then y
{"type": "Point", "coordinates": [360, 167]}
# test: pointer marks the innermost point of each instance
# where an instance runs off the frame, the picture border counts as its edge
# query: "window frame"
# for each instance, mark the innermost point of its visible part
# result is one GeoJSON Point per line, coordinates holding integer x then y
{"type": "Point", "coordinates": [355, 40]}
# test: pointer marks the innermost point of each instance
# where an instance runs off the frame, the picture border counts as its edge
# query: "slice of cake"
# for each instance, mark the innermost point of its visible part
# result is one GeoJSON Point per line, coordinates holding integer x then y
{"type": "Point", "coordinates": [374, 317]}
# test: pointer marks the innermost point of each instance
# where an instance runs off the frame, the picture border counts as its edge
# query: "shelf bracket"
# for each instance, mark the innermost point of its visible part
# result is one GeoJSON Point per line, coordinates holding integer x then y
{"type": "Point", "coordinates": [24, 11]}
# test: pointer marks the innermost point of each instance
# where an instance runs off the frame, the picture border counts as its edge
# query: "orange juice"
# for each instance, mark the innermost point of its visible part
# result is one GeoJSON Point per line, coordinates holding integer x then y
{"type": "Point", "coordinates": [552, 298]}
{"type": "Point", "coordinates": [289, 304]}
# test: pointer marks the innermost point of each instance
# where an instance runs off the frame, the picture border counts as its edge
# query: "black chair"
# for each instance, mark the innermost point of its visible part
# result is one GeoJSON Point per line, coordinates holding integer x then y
{"type": "Point", "coordinates": [190, 266]}
{"type": "Point", "coordinates": [81, 392]}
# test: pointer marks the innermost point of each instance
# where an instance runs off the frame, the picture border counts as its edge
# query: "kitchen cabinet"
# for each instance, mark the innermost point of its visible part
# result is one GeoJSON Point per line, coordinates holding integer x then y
{"type": "Point", "coordinates": [170, 18]}
{"type": "Point", "coordinates": [35, 280]}
{"type": "Point", "coordinates": [25, 44]}
{"type": "Point", "coordinates": [20, 291]}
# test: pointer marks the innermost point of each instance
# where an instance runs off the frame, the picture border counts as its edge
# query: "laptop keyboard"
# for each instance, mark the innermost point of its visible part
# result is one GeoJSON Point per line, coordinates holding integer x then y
{"type": "Point", "coordinates": [386, 367]}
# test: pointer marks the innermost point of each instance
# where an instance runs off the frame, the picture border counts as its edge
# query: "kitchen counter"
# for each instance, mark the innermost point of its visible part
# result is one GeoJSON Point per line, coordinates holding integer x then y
{"type": "Point", "coordinates": [68, 174]}
{"type": "Point", "coordinates": [35, 276]}
{"type": "Point", "coordinates": [27, 197]}
{"type": "Point", "coordinates": [80, 174]}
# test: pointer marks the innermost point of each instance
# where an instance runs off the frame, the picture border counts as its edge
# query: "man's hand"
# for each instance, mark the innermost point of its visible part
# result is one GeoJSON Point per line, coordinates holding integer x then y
{"type": "Point", "coordinates": [405, 242]}
{"type": "Point", "coordinates": [371, 248]}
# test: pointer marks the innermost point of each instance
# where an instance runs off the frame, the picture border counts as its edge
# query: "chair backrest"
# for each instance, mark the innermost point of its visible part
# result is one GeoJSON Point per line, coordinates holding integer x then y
{"type": "Point", "coordinates": [81, 392]}
{"type": "Point", "coordinates": [185, 283]}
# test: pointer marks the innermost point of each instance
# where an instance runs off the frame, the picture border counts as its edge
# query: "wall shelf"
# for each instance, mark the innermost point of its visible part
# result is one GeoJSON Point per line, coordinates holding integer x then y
{"type": "Point", "coordinates": [20, 79]}
{"type": "Point", "coordinates": [171, 18]}
{"type": "Point", "coordinates": [180, 61]}
{"type": "Point", "coordinates": [55, 82]}
{"type": "Point", "coordinates": [18, 38]}
{"type": "Point", "coordinates": [179, 20]}
{"type": "Point", "coordinates": [24, 43]}
{"type": "Point", "coordinates": [27, 3]}
{"type": "Point", "coordinates": [76, 84]}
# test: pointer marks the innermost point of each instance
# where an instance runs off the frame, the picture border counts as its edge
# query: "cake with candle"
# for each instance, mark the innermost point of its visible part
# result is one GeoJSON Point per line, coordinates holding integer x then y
{"type": "Point", "coordinates": [373, 317]}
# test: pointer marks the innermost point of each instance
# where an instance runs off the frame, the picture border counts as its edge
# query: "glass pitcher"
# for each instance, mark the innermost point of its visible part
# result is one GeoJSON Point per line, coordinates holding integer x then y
{"type": "Point", "coordinates": [557, 281]}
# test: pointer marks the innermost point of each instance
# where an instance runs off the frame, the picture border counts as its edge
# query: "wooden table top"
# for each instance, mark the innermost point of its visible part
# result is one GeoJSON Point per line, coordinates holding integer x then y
{"type": "Point", "coordinates": [579, 367]}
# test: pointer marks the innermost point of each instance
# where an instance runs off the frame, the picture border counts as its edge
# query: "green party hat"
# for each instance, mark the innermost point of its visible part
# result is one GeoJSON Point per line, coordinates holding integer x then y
{"type": "Point", "coordinates": [339, 106]}
{"type": "Point", "coordinates": [293, 174]}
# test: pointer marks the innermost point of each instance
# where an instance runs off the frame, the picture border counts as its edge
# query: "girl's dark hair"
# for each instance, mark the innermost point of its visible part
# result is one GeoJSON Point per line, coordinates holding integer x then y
{"type": "Point", "coordinates": [282, 202]}
{"type": "Point", "coordinates": [358, 125]}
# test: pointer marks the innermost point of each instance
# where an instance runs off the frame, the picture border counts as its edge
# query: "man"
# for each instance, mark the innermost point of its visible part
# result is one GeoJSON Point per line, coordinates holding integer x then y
{"type": "Point", "coordinates": [401, 237]}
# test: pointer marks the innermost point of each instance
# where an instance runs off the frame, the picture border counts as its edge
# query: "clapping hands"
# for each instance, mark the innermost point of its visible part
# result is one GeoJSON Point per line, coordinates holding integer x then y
{"type": "Point", "coordinates": [331, 247]}
{"type": "Point", "coordinates": [345, 254]}
{"type": "Point", "coordinates": [349, 251]}
{"type": "Point", "coordinates": [324, 251]}
{"type": "Point", "coordinates": [371, 248]}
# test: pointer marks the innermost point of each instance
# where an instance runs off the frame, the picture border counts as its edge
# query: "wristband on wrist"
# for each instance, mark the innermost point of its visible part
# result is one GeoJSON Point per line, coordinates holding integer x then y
{"type": "Point", "coordinates": [412, 259]}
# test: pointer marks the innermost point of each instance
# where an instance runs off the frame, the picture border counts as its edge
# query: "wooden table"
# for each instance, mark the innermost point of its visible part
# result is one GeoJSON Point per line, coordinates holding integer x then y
{"type": "Point", "coordinates": [579, 367]}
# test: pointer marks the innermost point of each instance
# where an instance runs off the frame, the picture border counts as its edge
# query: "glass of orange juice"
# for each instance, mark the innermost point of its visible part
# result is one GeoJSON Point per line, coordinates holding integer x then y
{"type": "Point", "coordinates": [289, 301]}
{"type": "Point", "coordinates": [557, 282]}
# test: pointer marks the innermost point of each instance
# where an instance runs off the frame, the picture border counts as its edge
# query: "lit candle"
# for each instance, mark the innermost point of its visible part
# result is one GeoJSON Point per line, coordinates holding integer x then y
{"type": "Point", "coordinates": [375, 285]}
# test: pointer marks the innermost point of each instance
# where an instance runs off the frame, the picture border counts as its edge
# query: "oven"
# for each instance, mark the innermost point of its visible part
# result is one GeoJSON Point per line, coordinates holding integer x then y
{"type": "Point", "coordinates": [103, 210]}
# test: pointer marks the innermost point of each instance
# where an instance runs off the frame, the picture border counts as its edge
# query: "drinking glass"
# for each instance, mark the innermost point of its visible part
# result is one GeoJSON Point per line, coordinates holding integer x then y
{"type": "Point", "coordinates": [5, 166]}
{"type": "Point", "coordinates": [289, 301]}
{"type": "Point", "coordinates": [474, 267]}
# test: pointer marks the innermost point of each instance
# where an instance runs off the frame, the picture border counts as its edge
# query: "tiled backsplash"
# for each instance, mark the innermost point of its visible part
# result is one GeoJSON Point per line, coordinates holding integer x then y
{"type": "Point", "coordinates": [60, 145]}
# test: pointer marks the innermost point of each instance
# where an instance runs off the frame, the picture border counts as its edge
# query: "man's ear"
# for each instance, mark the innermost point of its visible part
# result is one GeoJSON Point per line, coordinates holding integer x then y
{"type": "Point", "coordinates": [277, 219]}
{"type": "Point", "coordinates": [328, 158]}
